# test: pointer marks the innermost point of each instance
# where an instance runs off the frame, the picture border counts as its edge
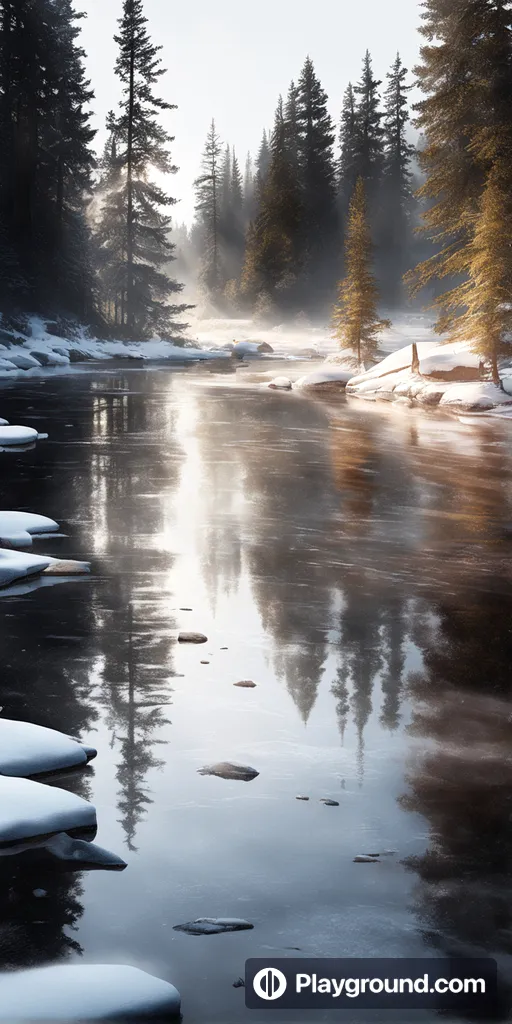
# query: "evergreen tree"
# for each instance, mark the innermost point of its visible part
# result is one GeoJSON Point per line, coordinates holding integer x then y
{"type": "Point", "coordinates": [262, 166]}
{"type": "Point", "coordinates": [137, 207]}
{"type": "Point", "coordinates": [248, 192]}
{"type": "Point", "coordinates": [396, 196]}
{"type": "Point", "coordinates": [465, 74]}
{"type": "Point", "coordinates": [368, 157]}
{"type": "Point", "coordinates": [347, 174]}
{"type": "Point", "coordinates": [317, 175]}
{"type": "Point", "coordinates": [291, 127]}
{"type": "Point", "coordinates": [482, 301]}
{"type": "Point", "coordinates": [237, 213]}
{"type": "Point", "coordinates": [208, 210]}
{"type": "Point", "coordinates": [355, 320]}
{"type": "Point", "coordinates": [274, 243]}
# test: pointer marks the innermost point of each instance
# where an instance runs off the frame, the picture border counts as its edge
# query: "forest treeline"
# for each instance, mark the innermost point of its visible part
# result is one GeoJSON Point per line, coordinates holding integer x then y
{"type": "Point", "coordinates": [92, 236]}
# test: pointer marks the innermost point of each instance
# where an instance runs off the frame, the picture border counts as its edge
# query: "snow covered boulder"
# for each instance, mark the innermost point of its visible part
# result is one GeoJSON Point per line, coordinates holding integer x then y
{"type": "Point", "coordinates": [455, 361]}
{"type": "Point", "coordinates": [254, 349]}
{"type": "Point", "coordinates": [327, 378]}
{"type": "Point", "coordinates": [48, 357]}
{"type": "Point", "coordinates": [23, 360]}
{"type": "Point", "coordinates": [27, 749]}
{"type": "Point", "coordinates": [398, 361]}
{"type": "Point", "coordinates": [6, 366]}
{"type": "Point", "coordinates": [18, 527]}
{"type": "Point", "coordinates": [31, 811]}
{"type": "Point", "coordinates": [470, 397]}
{"type": "Point", "coordinates": [85, 992]}
{"type": "Point", "coordinates": [280, 384]}
{"type": "Point", "coordinates": [213, 926]}
{"type": "Point", "coordinates": [67, 854]}
{"type": "Point", "coordinates": [66, 567]}
{"type": "Point", "coordinates": [15, 565]}
{"type": "Point", "coordinates": [17, 435]}
{"type": "Point", "coordinates": [4, 423]}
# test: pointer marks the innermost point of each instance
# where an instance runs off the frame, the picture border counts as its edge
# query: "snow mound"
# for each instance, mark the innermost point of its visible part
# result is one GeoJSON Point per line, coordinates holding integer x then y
{"type": "Point", "coordinates": [23, 360]}
{"type": "Point", "coordinates": [6, 365]}
{"type": "Point", "coordinates": [280, 384]}
{"type": "Point", "coordinates": [27, 749]}
{"type": "Point", "coordinates": [328, 378]}
{"type": "Point", "coordinates": [15, 566]}
{"type": "Point", "coordinates": [4, 423]}
{"type": "Point", "coordinates": [18, 527]}
{"type": "Point", "coordinates": [444, 360]}
{"type": "Point", "coordinates": [30, 810]}
{"type": "Point", "coordinates": [467, 397]}
{"type": "Point", "coordinates": [72, 992]}
{"type": "Point", "coordinates": [17, 435]}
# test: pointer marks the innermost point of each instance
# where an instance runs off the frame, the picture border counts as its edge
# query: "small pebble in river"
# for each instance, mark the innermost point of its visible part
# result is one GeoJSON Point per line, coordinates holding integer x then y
{"type": "Point", "coordinates": [248, 683]}
{"type": "Point", "coordinates": [364, 859]}
{"type": "Point", "coordinates": [205, 663]}
{"type": "Point", "coordinates": [192, 638]}
{"type": "Point", "coordinates": [39, 893]}
{"type": "Point", "coordinates": [186, 609]}
{"type": "Point", "coordinates": [224, 648]}
{"type": "Point", "coordinates": [329, 803]}
{"type": "Point", "coordinates": [302, 798]}
{"type": "Point", "coordinates": [228, 770]}
{"type": "Point", "coordinates": [239, 984]}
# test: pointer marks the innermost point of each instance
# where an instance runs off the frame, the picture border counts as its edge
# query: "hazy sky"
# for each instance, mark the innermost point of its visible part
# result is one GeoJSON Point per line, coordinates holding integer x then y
{"type": "Point", "coordinates": [230, 59]}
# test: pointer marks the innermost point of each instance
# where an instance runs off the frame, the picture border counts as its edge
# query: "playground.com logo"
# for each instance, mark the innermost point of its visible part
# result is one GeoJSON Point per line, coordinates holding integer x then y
{"type": "Point", "coordinates": [269, 983]}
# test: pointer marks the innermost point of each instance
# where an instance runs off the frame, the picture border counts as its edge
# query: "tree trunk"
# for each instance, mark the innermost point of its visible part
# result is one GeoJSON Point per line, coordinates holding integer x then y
{"type": "Point", "coordinates": [130, 318]}
{"type": "Point", "coordinates": [494, 363]}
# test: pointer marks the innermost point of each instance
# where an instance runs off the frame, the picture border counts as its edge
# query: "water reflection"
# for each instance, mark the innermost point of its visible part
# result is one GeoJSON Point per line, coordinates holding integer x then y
{"type": "Point", "coordinates": [355, 562]}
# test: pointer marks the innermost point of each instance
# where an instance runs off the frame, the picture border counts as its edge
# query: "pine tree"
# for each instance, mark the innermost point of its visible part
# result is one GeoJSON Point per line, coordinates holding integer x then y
{"type": "Point", "coordinates": [291, 127]}
{"type": "Point", "coordinates": [317, 174]}
{"type": "Point", "coordinates": [482, 302]}
{"type": "Point", "coordinates": [347, 174]}
{"type": "Point", "coordinates": [396, 197]}
{"type": "Point", "coordinates": [208, 211]}
{"type": "Point", "coordinates": [139, 205]}
{"type": "Point", "coordinates": [356, 324]}
{"type": "Point", "coordinates": [465, 76]}
{"type": "Point", "coordinates": [368, 157]}
{"type": "Point", "coordinates": [248, 192]}
{"type": "Point", "coordinates": [237, 212]}
{"type": "Point", "coordinates": [275, 242]}
{"type": "Point", "coordinates": [262, 166]}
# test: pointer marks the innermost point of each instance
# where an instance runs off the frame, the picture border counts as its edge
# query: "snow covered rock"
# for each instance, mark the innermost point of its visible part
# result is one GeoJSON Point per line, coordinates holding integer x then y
{"type": "Point", "coordinates": [251, 348]}
{"type": "Point", "coordinates": [228, 770]}
{"type": "Point", "coordinates": [327, 378]}
{"type": "Point", "coordinates": [48, 357]}
{"type": "Point", "coordinates": [468, 397]}
{"type": "Point", "coordinates": [17, 435]}
{"type": "Point", "coordinates": [192, 638]}
{"type": "Point", "coordinates": [280, 384]}
{"type": "Point", "coordinates": [78, 855]}
{"type": "Point", "coordinates": [66, 567]}
{"type": "Point", "coordinates": [4, 423]}
{"type": "Point", "coordinates": [15, 565]}
{"type": "Point", "coordinates": [212, 926]}
{"type": "Point", "coordinates": [395, 362]}
{"type": "Point", "coordinates": [85, 992]}
{"type": "Point", "coordinates": [454, 361]}
{"type": "Point", "coordinates": [6, 366]}
{"type": "Point", "coordinates": [29, 810]}
{"type": "Point", "coordinates": [23, 360]}
{"type": "Point", "coordinates": [27, 749]}
{"type": "Point", "coordinates": [18, 527]}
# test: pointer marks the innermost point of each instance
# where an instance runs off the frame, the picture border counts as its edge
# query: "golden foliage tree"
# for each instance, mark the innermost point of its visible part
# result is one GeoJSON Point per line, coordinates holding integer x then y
{"type": "Point", "coordinates": [355, 321]}
{"type": "Point", "coordinates": [482, 302]}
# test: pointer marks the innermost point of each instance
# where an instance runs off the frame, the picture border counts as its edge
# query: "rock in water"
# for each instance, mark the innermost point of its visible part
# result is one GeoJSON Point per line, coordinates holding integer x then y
{"type": "Point", "coordinates": [27, 749]}
{"type": "Point", "coordinates": [17, 435]}
{"type": "Point", "coordinates": [227, 770]}
{"type": "Point", "coordinates": [29, 810]}
{"type": "Point", "coordinates": [365, 859]}
{"type": "Point", "coordinates": [81, 856]}
{"type": "Point", "coordinates": [67, 567]}
{"type": "Point", "coordinates": [302, 798]}
{"type": "Point", "coordinates": [281, 384]}
{"type": "Point", "coordinates": [192, 638]}
{"type": "Point", "coordinates": [329, 803]}
{"type": "Point", "coordinates": [79, 992]}
{"type": "Point", "coordinates": [247, 683]}
{"type": "Point", "coordinates": [213, 926]}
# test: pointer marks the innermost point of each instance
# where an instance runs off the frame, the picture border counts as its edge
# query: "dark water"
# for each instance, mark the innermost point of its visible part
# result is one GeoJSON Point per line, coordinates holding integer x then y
{"type": "Point", "coordinates": [355, 562]}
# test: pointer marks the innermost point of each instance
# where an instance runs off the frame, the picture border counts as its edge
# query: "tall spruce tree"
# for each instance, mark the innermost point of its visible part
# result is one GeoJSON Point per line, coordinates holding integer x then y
{"type": "Point", "coordinates": [317, 175]}
{"type": "Point", "coordinates": [248, 191]}
{"type": "Point", "coordinates": [396, 196]}
{"type": "Point", "coordinates": [465, 77]}
{"type": "Point", "coordinates": [347, 171]}
{"type": "Point", "coordinates": [139, 205]}
{"type": "Point", "coordinates": [368, 156]}
{"type": "Point", "coordinates": [208, 212]}
{"type": "Point", "coordinates": [355, 321]}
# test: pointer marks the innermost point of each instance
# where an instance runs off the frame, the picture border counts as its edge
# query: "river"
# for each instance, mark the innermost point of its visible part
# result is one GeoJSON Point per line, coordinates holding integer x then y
{"type": "Point", "coordinates": [354, 562]}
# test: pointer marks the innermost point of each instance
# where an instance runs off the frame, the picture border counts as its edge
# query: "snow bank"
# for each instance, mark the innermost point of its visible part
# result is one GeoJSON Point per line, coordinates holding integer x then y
{"type": "Point", "coordinates": [450, 360]}
{"type": "Point", "coordinates": [72, 992]}
{"type": "Point", "coordinates": [327, 378]}
{"type": "Point", "coordinates": [18, 527]}
{"type": "Point", "coordinates": [15, 565]}
{"type": "Point", "coordinates": [467, 397]}
{"type": "Point", "coordinates": [399, 360]}
{"type": "Point", "coordinates": [30, 810]}
{"type": "Point", "coordinates": [27, 749]}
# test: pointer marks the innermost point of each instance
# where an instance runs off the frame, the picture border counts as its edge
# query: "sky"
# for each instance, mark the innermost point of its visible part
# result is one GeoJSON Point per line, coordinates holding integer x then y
{"type": "Point", "coordinates": [230, 60]}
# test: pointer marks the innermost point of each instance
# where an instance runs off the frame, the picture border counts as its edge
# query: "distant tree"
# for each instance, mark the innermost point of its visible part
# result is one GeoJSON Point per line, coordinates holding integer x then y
{"type": "Point", "coordinates": [208, 211]}
{"type": "Point", "coordinates": [355, 321]}
{"type": "Point", "coordinates": [136, 204]}
{"type": "Point", "coordinates": [248, 192]}
{"type": "Point", "coordinates": [317, 176]}
{"type": "Point", "coordinates": [262, 166]}
{"type": "Point", "coordinates": [396, 195]}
